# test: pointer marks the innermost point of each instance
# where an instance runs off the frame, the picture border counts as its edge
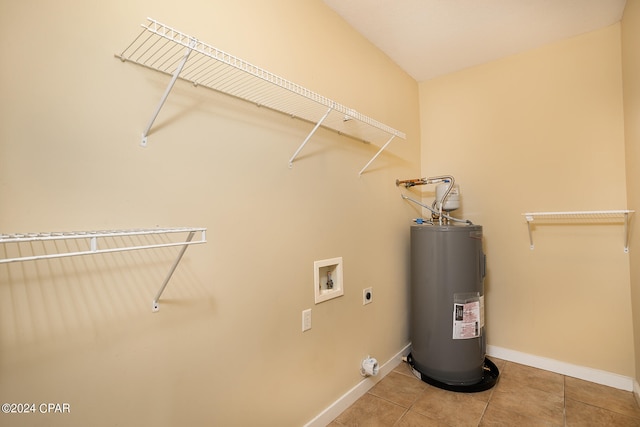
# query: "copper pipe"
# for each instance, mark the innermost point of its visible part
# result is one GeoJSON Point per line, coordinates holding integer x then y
{"type": "Point", "coordinates": [410, 182]}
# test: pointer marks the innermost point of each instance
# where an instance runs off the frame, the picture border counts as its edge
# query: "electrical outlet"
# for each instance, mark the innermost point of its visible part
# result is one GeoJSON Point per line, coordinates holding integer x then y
{"type": "Point", "coordinates": [367, 296]}
{"type": "Point", "coordinates": [306, 320]}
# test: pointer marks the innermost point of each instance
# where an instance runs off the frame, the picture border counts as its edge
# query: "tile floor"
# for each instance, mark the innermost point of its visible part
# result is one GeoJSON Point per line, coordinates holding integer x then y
{"type": "Point", "coordinates": [523, 396]}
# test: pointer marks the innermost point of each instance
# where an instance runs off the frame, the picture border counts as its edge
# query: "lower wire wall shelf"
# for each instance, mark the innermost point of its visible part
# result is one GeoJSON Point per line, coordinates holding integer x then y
{"type": "Point", "coordinates": [620, 216]}
{"type": "Point", "coordinates": [108, 241]}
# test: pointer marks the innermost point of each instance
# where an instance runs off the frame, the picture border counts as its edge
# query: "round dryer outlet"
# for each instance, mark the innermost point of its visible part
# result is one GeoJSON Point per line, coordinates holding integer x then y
{"type": "Point", "coordinates": [367, 296]}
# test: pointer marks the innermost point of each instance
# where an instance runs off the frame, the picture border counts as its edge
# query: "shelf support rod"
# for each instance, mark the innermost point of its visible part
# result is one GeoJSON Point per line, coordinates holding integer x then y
{"type": "Point", "coordinates": [309, 137]}
{"type": "Point", "coordinates": [187, 52]}
{"type": "Point", "coordinates": [377, 154]}
{"type": "Point", "coordinates": [529, 219]}
{"type": "Point", "coordinates": [626, 232]}
{"type": "Point", "coordinates": [155, 306]}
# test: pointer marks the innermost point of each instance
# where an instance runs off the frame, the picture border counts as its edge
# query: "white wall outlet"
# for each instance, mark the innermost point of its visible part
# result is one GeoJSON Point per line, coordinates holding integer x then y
{"type": "Point", "coordinates": [367, 296]}
{"type": "Point", "coordinates": [306, 319]}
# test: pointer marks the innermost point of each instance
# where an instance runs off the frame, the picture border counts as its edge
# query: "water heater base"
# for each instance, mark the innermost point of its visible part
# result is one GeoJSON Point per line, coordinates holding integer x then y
{"type": "Point", "coordinates": [489, 379]}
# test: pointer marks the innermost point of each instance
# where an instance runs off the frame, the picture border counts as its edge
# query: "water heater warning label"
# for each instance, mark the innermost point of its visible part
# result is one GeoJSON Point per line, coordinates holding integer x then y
{"type": "Point", "coordinates": [466, 320]}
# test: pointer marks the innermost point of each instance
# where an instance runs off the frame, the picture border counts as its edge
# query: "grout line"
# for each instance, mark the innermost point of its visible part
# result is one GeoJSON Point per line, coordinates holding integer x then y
{"type": "Point", "coordinates": [484, 411]}
{"type": "Point", "coordinates": [401, 416]}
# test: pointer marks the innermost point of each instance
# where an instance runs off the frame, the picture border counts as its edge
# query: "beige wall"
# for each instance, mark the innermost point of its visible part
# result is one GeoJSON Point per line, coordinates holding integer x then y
{"type": "Point", "coordinates": [226, 347]}
{"type": "Point", "coordinates": [631, 70]}
{"type": "Point", "coordinates": [539, 131]}
{"type": "Point", "coordinates": [542, 131]}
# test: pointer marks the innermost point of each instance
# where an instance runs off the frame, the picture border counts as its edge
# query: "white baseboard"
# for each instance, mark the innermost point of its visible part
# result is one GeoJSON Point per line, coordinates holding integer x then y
{"type": "Point", "coordinates": [347, 399]}
{"type": "Point", "coordinates": [588, 374]}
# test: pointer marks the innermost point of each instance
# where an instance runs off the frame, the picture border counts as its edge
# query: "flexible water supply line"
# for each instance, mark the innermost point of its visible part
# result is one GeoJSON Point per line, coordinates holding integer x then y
{"type": "Point", "coordinates": [451, 180]}
{"type": "Point", "coordinates": [432, 180]}
{"type": "Point", "coordinates": [466, 221]}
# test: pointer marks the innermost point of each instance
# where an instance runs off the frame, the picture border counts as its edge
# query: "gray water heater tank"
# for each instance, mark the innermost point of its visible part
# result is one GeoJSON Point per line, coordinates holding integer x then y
{"type": "Point", "coordinates": [447, 330]}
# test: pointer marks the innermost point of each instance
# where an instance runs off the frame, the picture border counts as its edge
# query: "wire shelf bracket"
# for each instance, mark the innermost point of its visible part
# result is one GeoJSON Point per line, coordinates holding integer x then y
{"type": "Point", "coordinates": [95, 244]}
{"type": "Point", "coordinates": [166, 93]}
{"type": "Point", "coordinates": [622, 215]}
{"type": "Point", "coordinates": [162, 48]}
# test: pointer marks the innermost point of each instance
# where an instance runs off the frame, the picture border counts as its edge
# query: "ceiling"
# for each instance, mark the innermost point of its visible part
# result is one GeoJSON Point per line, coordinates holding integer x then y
{"type": "Point", "coordinates": [429, 38]}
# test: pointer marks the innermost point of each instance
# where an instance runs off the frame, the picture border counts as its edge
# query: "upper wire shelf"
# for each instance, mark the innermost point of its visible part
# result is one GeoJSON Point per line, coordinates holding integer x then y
{"type": "Point", "coordinates": [621, 215]}
{"type": "Point", "coordinates": [105, 241]}
{"type": "Point", "coordinates": [172, 52]}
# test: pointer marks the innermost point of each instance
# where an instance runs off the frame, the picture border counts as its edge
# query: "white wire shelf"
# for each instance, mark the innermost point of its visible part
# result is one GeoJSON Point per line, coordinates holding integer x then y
{"type": "Point", "coordinates": [590, 217]}
{"type": "Point", "coordinates": [105, 241]}
{"type": "Point", "coordinates": [172, 52]}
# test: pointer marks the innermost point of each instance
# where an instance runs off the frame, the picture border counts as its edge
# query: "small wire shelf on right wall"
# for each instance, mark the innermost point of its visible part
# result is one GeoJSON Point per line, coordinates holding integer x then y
{"type": "Point", "coordinates": [622, 216]}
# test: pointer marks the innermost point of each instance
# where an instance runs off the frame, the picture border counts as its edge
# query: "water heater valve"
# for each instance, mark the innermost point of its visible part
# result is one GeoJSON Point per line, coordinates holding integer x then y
{"type": "Point", "coordinates": [447, 197]}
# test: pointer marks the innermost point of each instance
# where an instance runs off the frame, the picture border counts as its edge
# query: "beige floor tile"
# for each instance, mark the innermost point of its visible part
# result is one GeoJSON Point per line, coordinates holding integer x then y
{"type": "Point", "coordinates": [455, 409]}
{"type": "Point", "coordinates": [531, 377]}
{"type": "Point", "coordinates": [414, 419]}
{"type": "Point", "coordinates": [483, 396]}
{"type": "Point", "coordinates": [370, 411]}
{"type": "Point", "coordinates": [529, 402]}
{"type": "Point", "coordinates": [496, 415]}
{"type": "Point", "coordinates": [619, 401]}
{"type": "Point", "coordinates": [399, 389]}
{"type": "Point", "coordinates": [405, 369]}
{"type": "Point", "coordinates": [583, 414]}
